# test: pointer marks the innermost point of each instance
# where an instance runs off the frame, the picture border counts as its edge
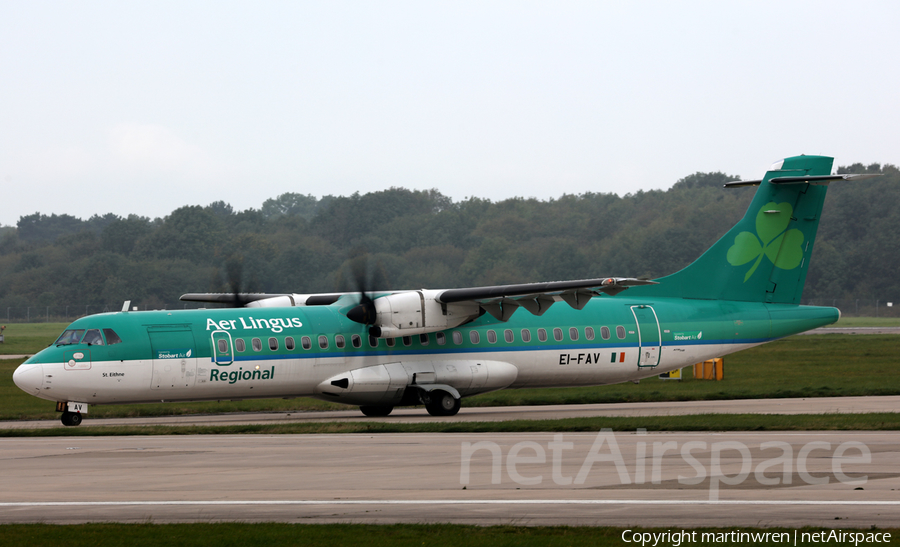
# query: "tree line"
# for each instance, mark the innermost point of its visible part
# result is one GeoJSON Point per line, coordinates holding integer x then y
{"type": "Point", "coordinates": [301, 243]}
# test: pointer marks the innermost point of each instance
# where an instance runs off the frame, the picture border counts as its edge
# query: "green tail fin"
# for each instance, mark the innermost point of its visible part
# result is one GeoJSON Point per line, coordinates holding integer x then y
{"type": "Point", "coordinates": [765, 256]}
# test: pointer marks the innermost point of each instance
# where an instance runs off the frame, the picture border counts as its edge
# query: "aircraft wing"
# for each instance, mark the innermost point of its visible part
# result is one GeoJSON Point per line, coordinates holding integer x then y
{"type": "Point", "coordinates": [575, 293]}
{"type": "Point", "coordinates": [401, 313]}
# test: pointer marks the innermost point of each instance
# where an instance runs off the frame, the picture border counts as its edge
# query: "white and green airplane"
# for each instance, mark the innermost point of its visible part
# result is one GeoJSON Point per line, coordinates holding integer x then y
{"type": "Point", "coordinates": [434, 347]}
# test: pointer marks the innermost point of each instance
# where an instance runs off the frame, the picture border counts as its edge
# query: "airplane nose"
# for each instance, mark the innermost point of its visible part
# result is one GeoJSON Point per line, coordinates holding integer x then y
{"type": "Point", "coordinates": [29, 378]}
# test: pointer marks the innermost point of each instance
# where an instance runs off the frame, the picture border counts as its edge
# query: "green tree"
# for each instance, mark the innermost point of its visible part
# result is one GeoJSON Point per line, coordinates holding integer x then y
{"type": "Point", "coordinates": [38, 228]}
{"type": "Point", "coordinates": [122, 235]}
{"type": "Point", "coordinates": [190, 233]}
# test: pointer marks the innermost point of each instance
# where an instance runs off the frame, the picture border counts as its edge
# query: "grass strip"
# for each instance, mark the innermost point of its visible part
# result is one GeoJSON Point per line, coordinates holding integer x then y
{"type": "Point", "coordinates": [705, 422]}
{"type": "Point", "coordinates": [394, 535]}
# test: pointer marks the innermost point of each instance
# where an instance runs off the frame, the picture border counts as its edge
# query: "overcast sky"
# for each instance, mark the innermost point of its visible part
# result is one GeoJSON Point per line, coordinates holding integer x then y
{"type": "Point", "coordinates": [142, 107]}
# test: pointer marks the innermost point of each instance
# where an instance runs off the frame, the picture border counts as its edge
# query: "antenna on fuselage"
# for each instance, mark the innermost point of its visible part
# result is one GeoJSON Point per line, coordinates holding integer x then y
{"type": "Point", "coordinates": [126, 305]}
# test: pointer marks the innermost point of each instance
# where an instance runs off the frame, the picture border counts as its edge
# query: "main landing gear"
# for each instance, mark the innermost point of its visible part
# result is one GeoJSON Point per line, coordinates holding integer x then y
{"type": "Point", "coordinates": [441, 403]}
{"type": "Point", "coordinates": [71, 418]}
{"type": "Point", "coordinates": [374, 411]}
{"type": "Point", "coordinates": [437, 402]}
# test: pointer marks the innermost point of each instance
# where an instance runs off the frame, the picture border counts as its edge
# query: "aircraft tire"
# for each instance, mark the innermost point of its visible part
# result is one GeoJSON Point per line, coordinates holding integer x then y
{"type": "Point", "coordinates": [442, 404]}
{"type": "Point", "coordinates": [374, 411]}
{"type": "Point", "coordinates": [71, 418]}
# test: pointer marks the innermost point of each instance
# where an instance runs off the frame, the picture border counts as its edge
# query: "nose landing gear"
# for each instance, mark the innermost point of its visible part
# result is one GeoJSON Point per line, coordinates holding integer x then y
{"type": "Point", "coordinates": [71, 412]}
{"type": "Point", "coordinates": [71, 418]}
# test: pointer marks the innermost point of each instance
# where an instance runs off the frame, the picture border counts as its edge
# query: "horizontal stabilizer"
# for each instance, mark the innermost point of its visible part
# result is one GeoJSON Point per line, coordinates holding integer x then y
{"type": "Point", "coordinates": [818, 179]}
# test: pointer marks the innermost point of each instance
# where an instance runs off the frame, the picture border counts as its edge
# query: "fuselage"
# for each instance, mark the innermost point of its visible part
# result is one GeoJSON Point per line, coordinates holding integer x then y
{"type": "Point", "coordinates": [212, 354]}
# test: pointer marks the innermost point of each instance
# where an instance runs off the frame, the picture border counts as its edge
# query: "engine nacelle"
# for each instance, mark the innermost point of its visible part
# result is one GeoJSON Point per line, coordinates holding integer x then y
{"type": "Point", "coordinates": [417, 312]}
{"type": "Point", "coordinates": [282, 301]}
{"type": "Point", "coordinates": [290, 300]}
{"type": "Point", "coordinates": [386, 384]}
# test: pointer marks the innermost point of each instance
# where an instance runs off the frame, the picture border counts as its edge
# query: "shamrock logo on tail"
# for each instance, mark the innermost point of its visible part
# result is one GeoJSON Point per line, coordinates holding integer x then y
{"type": "Point", "coordinates": [772, 239]}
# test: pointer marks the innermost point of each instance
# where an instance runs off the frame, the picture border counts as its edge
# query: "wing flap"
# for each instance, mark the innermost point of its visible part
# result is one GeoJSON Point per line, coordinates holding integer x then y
{"type": "Point", "coordinates": [501, 301]}
{"type": "Point", "coordinates": [609, 285]}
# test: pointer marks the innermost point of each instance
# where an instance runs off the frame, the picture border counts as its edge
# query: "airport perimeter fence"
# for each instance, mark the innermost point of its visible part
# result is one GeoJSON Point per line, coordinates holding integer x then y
{"type": "Point", "coordinates": [858, 307]}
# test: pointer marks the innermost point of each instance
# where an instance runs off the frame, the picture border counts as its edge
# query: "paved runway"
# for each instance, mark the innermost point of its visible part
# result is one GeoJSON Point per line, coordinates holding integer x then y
{"type": "Point", "coordinates": [812, 405]}
{"type": "Point", "coordinates": [825, 479]}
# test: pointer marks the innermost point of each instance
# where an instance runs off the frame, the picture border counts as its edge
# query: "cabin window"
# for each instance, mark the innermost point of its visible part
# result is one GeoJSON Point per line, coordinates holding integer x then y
{"type": "Point", "coordinates": [441, 338]}
{"type": "Point", "coordinates": [323, 341]}
{"type": "Point", "coordinates": [589, 333]}
{"type": "Point", "coordinates": [356, 341]}
{"type": "Point", "coordinates": [289, 343]}
{"type": "Point", "coordinates": [620, 332]}
{"type": "Point", "coordinates": [257, 344]}
{"type": "Point", "coordinates": [111, 337]}
{"type": "Point", "coordinates": [457, 337]}
{"type": "Point", "coordinates": [573, 333]}
{"type": "Point", "coordinates": [306, 343]}
{"type": "Point", "coordinates": [508, 336]}
{"type": "Point", "coordinates": [526, 335]}
{"type": "Point", "coordinates": [223, 346]}
{"type": "Point", "coordinates": [542, 335]}
{"type": "Point", "coordinates": [557, 334]}
{"type": "Point", "coordinates": [239, 345]}
{"type": "Point", "coordinates": [391, 342]}
{"type": "Point", "coordinates": [423, 339]}
{"type": "Point", "coordinates": [93, 338]}
{"type": "Point", "coordinates": [407, 340]}
{"type": "Point", "coordinates": [72, 336]}
{"type": "Point", "coordinates": [474, 337]}
{"type": "Point", "coordinates": [492, 337]}
{"type": "Point", "coordinates": [604, 333]}
{"type": "Point", "coordinates": [373, 342]}
{"type": "Point", "coordinates": [273, 344]}
{"type": "Point", "coordinates": [339, 341]}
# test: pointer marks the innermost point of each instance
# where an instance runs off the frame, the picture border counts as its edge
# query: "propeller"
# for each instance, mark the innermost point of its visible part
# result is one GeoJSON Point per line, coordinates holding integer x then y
{"type": "Point", "coordinates": [364, 312]}
{"type": "Point", "coordinates": [234, 269]}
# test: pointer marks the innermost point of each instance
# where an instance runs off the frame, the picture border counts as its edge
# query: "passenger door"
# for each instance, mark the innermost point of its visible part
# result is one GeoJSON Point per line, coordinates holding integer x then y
{"type": "Point", "coordinates": [649, 335]}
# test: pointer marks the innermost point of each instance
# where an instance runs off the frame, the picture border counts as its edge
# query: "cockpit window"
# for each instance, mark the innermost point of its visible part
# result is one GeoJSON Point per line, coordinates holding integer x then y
{"type": "Point", "coordinates": [111, 337]}
{"type": "Point", "coordinates": [93, 338]}
{"type": "Point", "coordinates": [71, 336]}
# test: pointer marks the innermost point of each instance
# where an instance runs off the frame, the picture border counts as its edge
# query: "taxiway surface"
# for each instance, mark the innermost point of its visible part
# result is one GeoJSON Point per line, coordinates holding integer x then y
{"type": "Point", "coordinates": [824, 479]}
{"type": "Point", "coordinates": [810, 405]}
